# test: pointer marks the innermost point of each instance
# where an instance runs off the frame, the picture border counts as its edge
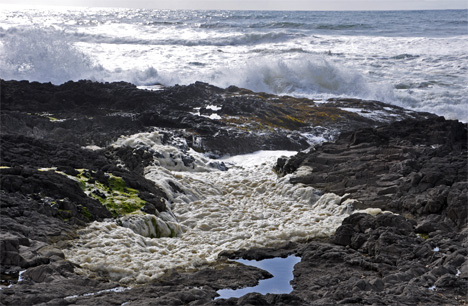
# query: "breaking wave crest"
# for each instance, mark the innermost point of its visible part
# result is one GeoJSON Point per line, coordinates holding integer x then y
{"type": "Point", "coordinates": [307, 76]}
{"type": "Point", "coordinates": [43, 55]}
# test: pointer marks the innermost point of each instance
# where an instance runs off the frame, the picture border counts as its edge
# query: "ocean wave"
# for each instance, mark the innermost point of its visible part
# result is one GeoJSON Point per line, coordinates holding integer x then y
{"type": "Point", "coordinates": [350, 26]}
{"type": "Point", "coordinates": [259, 25]}
{"type": "Point", "coordinates": [405, 56]}
{"type": "Point", "coordinates": [282, 25]}
{"type": "Point", "coordinates": [278, 51]}
{"type": "Point", "coordinates": [448, 105]}
{"type": "Point", "coordinates": [225, 40]}
{"type": "Point", "coordinates": [69, 37]}
{"type": "Point", "coordinates": [457, 22]}
{"type": "Point", "coordinates": [308, 76]}
{"type": "Point", "coordinates": [285, 25]}
{"type": "Point", "coordinates": [253, 39]}
{"type": "Point", "coordinates": [163, 23]}
{"type": "Point", "coordinates": [43, 55]}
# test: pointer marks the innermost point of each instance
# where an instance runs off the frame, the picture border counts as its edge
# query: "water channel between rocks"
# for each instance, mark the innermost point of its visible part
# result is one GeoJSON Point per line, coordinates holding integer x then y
{"type": "Point", "coordinates": [280, 268]}
{"type": "Point", "coordinates": [245, 207]}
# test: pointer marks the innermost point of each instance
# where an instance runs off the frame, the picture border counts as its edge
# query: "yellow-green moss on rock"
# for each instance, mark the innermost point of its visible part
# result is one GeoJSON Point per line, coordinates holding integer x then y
{"type": "Point", "coordinates": [116, 196]}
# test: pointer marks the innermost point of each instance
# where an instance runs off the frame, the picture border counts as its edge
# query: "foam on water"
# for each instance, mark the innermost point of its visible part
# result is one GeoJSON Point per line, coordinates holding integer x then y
{"type": "Point", "coordinates": [244, 207]}
{"type": "Point", "coordinates": [175, 155]}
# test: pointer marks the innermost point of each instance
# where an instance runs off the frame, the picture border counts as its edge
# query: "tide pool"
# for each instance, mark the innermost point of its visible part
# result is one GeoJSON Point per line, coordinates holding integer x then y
{"type": "Point", "coordinates": [280, 268]}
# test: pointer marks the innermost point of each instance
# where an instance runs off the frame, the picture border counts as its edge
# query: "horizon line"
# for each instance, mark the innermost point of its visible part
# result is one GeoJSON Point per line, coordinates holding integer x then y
{"type": "Point", "coordinates": [65, 6]}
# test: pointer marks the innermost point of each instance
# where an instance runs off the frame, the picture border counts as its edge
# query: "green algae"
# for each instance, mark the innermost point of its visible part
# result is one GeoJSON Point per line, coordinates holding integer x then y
{"type": "Point", "coordinates": [173, 233]}
{"type": "Point", "coordinates": [116, 196]}
{"type": "Point", "coordinates": [119, 199]}
{"type": "Point", "coordinates": [48, 116]}
{"type": "Point", "coordinates": [85, 212]}
{"type": "Point", "coordinates": [156, 228]}
{"type": "Point", "coordinates": [423, 236]}
{"type": "Point", "coordinates": [52, 119]}
{"type": "Point", "coordinates": [64, 214]}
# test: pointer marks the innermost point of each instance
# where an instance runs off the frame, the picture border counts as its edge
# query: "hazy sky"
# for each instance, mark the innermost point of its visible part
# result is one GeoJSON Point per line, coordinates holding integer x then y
{"type": "Point", "coordinates": [259, 4]}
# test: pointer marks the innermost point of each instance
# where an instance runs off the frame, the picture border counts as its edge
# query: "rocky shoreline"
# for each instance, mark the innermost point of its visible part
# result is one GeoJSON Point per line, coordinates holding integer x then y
{"type": "Point", "coordinates": [56, 150]}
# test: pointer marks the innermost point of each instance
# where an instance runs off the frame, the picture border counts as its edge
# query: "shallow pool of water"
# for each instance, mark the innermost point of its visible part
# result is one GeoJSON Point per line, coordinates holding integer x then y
{"type": "Point", "coordinates": [280, 268]}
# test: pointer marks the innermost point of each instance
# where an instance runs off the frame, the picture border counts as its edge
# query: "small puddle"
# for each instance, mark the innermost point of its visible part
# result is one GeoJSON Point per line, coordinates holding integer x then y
{"type": "Point", "coordinates": [280, 268]}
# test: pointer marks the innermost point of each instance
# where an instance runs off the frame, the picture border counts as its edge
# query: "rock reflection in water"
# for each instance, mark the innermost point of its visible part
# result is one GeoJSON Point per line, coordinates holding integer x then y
{"type": "Point", "coordinates": [280, 268]}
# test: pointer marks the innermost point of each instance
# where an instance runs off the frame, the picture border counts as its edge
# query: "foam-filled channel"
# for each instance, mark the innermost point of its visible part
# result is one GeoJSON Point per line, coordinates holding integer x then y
{"type": "Point", "coordinates": [280, 268]}
{"type": "Point", "coordinates": [245, 207]}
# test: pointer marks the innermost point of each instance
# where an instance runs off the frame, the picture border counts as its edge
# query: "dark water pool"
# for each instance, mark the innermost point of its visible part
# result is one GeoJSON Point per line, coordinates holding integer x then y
{"type": "Point", "coordinates": [281, 268]}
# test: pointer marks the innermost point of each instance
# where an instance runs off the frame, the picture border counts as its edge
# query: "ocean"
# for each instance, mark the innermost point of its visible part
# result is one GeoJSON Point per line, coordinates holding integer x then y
{"type": "Point", "coordinates": [414, 59]}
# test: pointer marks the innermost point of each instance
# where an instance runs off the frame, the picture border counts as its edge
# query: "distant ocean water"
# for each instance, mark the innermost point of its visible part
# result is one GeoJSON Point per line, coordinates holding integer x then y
{"type": "Point", "coordinates": [415, 59]}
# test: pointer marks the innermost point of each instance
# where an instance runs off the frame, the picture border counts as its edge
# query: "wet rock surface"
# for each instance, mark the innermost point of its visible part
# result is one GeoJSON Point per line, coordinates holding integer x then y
{"type": "Point", "coordinates": [89, 113]}
{"type": "Point", "coordinates": [55, 141]}
{"type": "Point", "coordinates": [381, 260]}
{"type": "Point", "coordinates": [413, 167]}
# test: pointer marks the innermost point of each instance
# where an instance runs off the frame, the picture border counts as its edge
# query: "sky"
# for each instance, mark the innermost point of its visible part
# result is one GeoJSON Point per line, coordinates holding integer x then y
{"type": "Point", "coordinates": [258, 4]}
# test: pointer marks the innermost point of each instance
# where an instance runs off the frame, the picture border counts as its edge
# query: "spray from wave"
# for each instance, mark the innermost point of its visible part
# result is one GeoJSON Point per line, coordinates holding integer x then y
{"type": "Point", "coordinates": [43, 55]}
{"type": "Point", "coordinates": [310, 76]}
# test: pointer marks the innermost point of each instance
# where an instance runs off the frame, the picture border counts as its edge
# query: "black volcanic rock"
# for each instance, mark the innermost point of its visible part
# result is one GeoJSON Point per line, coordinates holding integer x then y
{"type": "Point", "coordinates": [412, 166]}
{"type": "Point", "coordinates": [385, 261]}
{"type": "Point", "coordinates": [90, 113]}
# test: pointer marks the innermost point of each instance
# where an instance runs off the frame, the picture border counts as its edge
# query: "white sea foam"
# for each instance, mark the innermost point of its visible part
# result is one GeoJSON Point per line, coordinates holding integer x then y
{"type": "Point", "coordinates": [92, 148]}
{"type": "Point", "coordinates": [20, 276]}
{"type": "Point", "coordinates": [244, 207]}
{"type": "Point", "coordinates": [173, 156]}
{"type": "Point", "coordinates": [214, 107]}
{"type": "Point", "coordinates": [163, 225]}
